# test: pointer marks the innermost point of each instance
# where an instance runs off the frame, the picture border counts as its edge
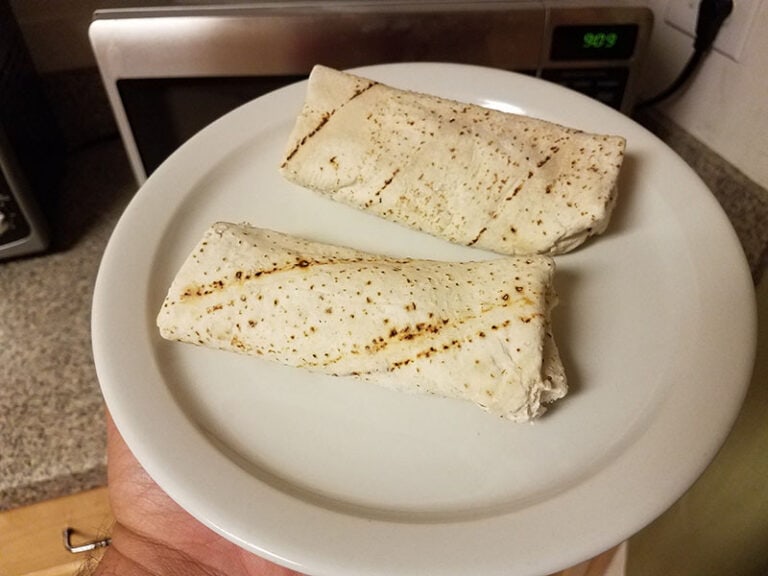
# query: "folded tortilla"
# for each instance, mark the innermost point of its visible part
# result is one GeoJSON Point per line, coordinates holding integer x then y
{"type": "Point", "coordinates": [478, 331]}
{"type": "Point", "coordinates": [472, 175]}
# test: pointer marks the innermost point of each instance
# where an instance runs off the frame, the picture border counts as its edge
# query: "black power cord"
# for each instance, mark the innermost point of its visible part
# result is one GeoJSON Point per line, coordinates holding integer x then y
{"type": "Point", "coordinates": [709, 20]}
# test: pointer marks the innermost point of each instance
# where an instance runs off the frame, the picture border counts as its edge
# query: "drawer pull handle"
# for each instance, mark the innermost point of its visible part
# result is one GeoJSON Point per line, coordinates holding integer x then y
{"type": "Point", "coordinates": [87, 547]}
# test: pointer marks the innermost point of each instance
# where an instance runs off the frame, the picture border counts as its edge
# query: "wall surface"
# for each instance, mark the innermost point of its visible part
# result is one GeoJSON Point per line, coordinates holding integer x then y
{"type": "Point", "coordinates": [725, 106]}
{"type": "Point", "coordinates": [57, 33]}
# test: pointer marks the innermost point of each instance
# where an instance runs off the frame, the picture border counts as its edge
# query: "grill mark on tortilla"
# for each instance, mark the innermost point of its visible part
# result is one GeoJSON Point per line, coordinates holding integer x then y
{"type": "Point", "coordinates": [427, 331]}
{"type": "Point", "coordinates": [495, 213]}
{"type": "Point", "coordinates": [323, 121]}
{"type": "Point", "coordinates": [479, 234]}
{"type": "Point", "coordinates": [420, 330]}
{"type": "Point", "coordinates": [242, 276]}
{"type": "Point", "coordinates": [412, 333]}
{"type": "Point", "coordinates": [387, 182]}
{"type": "Point", "coordinates": [554, 149]}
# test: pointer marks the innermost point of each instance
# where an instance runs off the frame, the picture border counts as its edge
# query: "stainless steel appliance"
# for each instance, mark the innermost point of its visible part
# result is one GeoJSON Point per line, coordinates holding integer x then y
{"type": "Point", "coordinates": [171, 69]}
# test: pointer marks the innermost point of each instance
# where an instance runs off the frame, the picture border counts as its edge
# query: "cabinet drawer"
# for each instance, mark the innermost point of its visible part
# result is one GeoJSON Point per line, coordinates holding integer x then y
{"type": "Point", "coordinates": [31, 542]}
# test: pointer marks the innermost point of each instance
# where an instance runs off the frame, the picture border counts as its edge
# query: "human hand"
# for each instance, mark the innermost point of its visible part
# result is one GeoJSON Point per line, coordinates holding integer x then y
{"type": "Point", "coordinates": [154, 535]}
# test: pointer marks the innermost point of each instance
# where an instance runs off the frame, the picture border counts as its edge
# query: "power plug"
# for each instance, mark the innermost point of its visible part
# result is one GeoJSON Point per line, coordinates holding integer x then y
{"type": "Point", "coordinates": [732, 37]}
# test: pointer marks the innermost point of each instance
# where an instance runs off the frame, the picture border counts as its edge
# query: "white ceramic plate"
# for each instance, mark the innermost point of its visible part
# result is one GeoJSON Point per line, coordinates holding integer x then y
{"type": "Point", "coordinates": [656, 325]}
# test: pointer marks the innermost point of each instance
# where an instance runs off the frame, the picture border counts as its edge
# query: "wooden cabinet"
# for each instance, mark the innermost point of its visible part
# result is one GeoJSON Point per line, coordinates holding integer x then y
{"type": "Point", "coordinates": [31, 537]}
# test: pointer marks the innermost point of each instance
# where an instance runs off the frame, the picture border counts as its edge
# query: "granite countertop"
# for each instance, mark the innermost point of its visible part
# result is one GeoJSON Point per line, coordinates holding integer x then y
{"type": "Point", "coordinates": [52, 439]}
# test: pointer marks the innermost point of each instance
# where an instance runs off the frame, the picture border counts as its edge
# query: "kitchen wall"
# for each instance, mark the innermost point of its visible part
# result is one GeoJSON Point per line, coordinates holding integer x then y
{"type": "Point", "coordinates": [725, 106]}
{"type": "Point", "coordinates": [57, 33]}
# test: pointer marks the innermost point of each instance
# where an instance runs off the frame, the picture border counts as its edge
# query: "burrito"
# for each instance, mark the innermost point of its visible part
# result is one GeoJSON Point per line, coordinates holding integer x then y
{"type": "Point", "coordinates": [471, 175]}
{"type": "Point", "coordinates": [477, 331]}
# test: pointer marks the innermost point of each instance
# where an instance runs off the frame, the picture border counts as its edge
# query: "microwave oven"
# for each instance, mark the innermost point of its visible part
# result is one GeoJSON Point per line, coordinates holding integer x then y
{"type": "Point", "coordinates": [169, 70]}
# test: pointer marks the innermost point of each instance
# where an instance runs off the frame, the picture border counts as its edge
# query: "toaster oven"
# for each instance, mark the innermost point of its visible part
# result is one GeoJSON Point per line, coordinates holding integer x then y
{"type": "Point", "coordinates": [169, 70]}
{"type": "Point", "coordinates": [28, 147]}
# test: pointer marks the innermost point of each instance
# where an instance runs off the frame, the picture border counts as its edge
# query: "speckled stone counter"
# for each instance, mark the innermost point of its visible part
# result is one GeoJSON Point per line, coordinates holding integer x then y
{"type": "Point", "coordinates": [51, 412]}
{"type": "Point", "coordinates": [51, 416]}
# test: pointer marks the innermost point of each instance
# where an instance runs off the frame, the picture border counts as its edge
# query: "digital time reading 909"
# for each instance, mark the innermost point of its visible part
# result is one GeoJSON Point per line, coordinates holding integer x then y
{"type": "Point", "coordinates": [606, 40]}
{"type": "Point", "coordinates": [582, 42]}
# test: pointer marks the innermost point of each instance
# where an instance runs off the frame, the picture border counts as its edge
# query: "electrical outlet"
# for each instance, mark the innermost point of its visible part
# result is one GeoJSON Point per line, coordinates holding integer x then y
{"type": "Point", "coordinates": [730, 41]}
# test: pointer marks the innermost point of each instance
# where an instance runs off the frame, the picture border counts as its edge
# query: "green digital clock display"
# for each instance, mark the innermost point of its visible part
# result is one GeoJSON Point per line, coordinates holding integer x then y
{"type": "Point", "coordinates": [599, 42]}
